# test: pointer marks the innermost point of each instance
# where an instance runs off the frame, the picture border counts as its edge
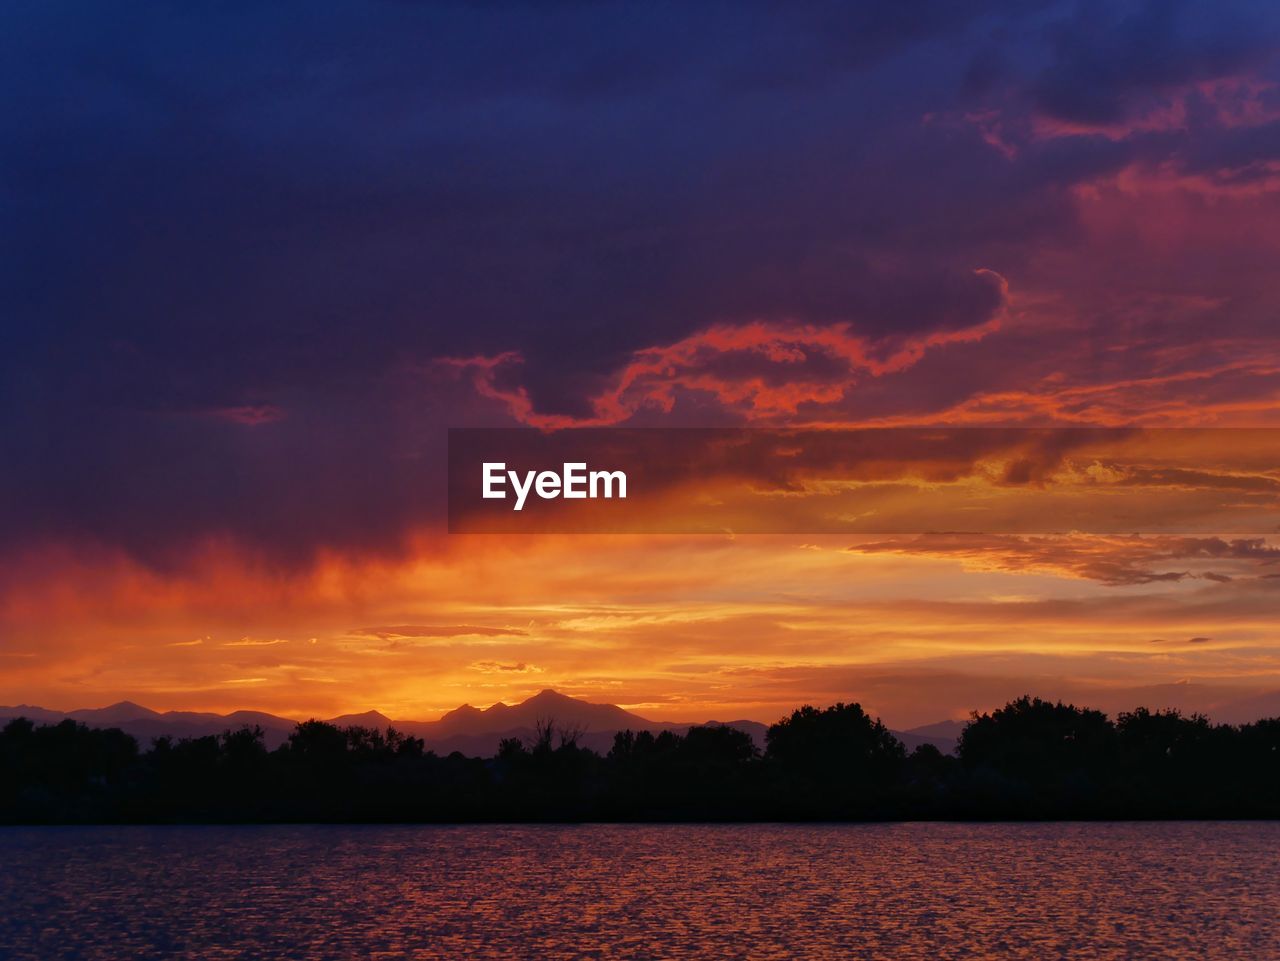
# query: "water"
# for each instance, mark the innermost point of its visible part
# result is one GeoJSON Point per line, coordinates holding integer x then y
{"type": "Point", "coordinates": [903, 891]}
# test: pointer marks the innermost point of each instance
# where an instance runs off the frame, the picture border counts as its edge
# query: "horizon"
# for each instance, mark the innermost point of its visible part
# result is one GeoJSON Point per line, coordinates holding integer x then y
{"type": "Point", "coordinates": [243, 327]}
{"type": "Point", "coordinates": [1160, 704]}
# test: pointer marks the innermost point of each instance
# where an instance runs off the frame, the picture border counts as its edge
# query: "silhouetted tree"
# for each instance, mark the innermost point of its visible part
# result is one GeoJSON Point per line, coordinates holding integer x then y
{"type": "Point", "coordinates": [511, 749]}
{"type": "Point", "coordinates": [317, 741]}
{"type": "Point", "coordinates": [62, 770]}
{"type": "Point", "coordinates": [1033, 758]}
{"type": "Point", "coordinates": [1257, 753]}
{"type": "Point", "coordinates": [839, 743]}
{"type": "Point", "coordinates": [1037, 740]}
{"type": "Point", "coordinates": [1030, 758]}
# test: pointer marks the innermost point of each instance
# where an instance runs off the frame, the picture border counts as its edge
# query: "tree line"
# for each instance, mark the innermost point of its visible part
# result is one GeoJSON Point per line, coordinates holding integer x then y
{"type": "Point", "coordinates": [1029, 759]}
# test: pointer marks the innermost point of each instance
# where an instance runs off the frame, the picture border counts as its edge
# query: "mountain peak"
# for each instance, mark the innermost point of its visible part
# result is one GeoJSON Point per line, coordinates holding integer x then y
{"type": "Point", "coordinates": [550, 694]}
{"type": "Point", "coordinates": [548, 705]}
{"type": "Point", "coordinates": [120, 711]}
{"type": "Point", "coordinates": [128, 706]}
{"type": "Point", "coordinates": [367, 719]}
{"type": "Point", "coordinates": [460, 714]}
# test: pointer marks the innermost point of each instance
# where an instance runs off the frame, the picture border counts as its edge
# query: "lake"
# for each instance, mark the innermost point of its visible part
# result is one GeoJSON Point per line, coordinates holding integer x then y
{"type": "Point", "coordinates": [902, 891]}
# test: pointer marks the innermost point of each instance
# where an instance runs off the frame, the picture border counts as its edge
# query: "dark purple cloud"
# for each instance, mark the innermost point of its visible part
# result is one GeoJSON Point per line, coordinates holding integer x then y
{"type": "Point", "coordinates": [230, 235]}
{"type": "Point", "coordinates": [1109, 60]}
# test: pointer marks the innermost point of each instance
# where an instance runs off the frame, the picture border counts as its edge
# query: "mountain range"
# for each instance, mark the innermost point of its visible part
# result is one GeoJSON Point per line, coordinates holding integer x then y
{"type": "Point", "coordinates": [469, 730]}
{"type": "Point", "coordinates": [477, 732]}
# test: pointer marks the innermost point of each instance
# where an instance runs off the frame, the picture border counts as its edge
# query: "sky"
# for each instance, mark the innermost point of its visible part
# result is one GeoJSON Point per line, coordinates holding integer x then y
{"type": "Point", "coordinates": [256, 259]}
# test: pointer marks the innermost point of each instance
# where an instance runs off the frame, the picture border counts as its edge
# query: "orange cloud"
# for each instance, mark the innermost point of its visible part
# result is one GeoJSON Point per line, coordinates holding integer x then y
{"type": "Point", "coordinates": [1114, 561]}
{"type": "Point", "coordinates": [453, 630]}
{"type": "Point", "coordinates": [692, 627]}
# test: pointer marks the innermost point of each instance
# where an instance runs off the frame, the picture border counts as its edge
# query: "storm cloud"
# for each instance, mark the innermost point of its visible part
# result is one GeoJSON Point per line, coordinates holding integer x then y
{"type": "Point", "coordinates": [242, 246]}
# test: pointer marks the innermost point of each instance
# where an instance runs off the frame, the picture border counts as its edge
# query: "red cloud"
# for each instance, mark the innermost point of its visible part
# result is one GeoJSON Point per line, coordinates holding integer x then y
{"type": "Point", "coordinates": [251, 415]}
{"type": "Point", "coordinates": [761, 370]}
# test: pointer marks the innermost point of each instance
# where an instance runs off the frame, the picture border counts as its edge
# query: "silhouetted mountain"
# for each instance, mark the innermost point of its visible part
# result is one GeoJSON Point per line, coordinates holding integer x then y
{"type": "Point", "coordinates": [477, 732]}
{"type": "Point", "coordinates": [944, 735]}
{"type": "Point", "coordinates": [114, 714]}
{"type": "Point", "coordinates": [939, 729]}
{"type": "Point", "coordinates": [32, 713]}
{"type": "Point", "coordinates": [146, 725]}
{"type": "Point", "coordinates": [567, 711]}
{"type": "Point", "coordinates": [468, 730]}
{"type": "Point", "coordinates": [367, 719]}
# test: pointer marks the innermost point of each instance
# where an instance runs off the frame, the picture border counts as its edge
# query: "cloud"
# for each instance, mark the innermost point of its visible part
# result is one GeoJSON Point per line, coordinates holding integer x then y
{"type": "Point", "coordinates": [1147, 95]}
{"type": "Point", "coordinates": [811, 219]}
{"type": "Point", "coordinates": [422, 630]}
{"type": "Point", "coordinates": [495, 667]}
{"type": "Point", "coordinates": [759, 370]}
{"type": "Point", "coordinates": [250, 415]}
{"type": "Point", "coordinates": [1110, 62]}
{"type": "Point", "coordinates": [1113, 561]}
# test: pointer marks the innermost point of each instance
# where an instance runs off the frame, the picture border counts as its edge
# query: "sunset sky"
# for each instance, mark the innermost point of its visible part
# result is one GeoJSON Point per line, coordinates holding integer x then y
{"type": "Point", "coordinates": [251, 277]}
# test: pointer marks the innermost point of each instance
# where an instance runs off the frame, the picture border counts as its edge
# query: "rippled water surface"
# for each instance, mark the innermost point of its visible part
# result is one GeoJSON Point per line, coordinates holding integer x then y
{"type": "Point", "coordinates": [926, 891]}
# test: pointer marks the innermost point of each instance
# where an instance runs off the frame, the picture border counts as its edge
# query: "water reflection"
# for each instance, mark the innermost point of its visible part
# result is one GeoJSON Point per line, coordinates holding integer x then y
{"type": "Point", "coordinates": [911, 891]}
